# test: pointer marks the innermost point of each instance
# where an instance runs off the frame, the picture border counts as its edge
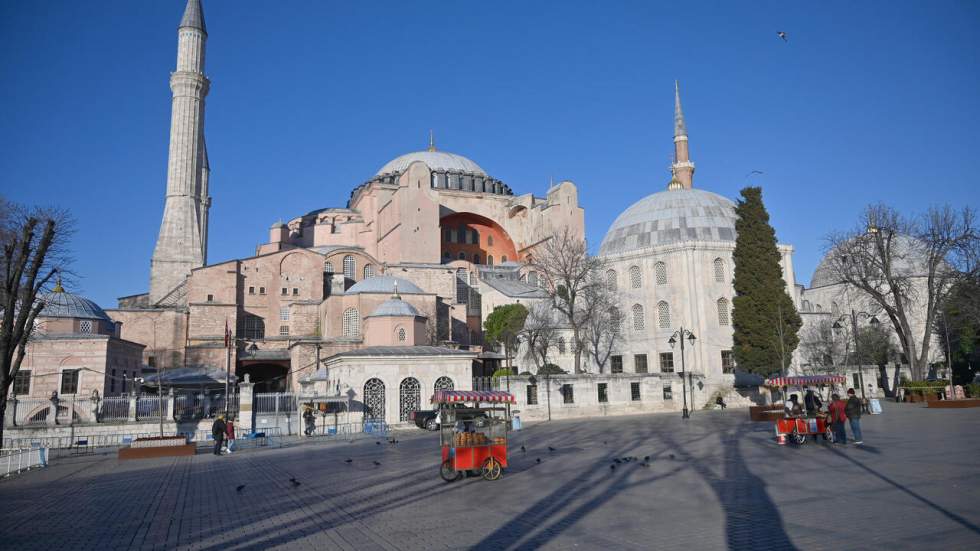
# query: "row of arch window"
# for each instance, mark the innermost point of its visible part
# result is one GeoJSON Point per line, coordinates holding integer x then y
{"type": "Point", "coordinates": [466, 236]}
{"type": "Point", "coordinates": [807, 306]}
{"type": "Point", "coordinates": [350, 268]}
{"type": "Point", "coordinates": [409, 396]}
{"type": "Point", "coordinates": [663, 315]}
{"type": "Point", "coordinates": [446, 255]}
{"type": "Point", "coordinates": [660, 274]}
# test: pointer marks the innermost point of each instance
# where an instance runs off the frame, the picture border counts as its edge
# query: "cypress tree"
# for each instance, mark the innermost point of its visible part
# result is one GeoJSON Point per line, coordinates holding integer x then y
{"type": "Point", "coordinates": [765, 320]}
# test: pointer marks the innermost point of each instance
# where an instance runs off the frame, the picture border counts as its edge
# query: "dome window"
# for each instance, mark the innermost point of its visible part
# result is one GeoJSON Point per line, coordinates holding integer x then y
{"type": "Point", "coordinates": [723, 312]}
{"type": "Point", "coordinates": [401, 334]}
{"type": "Point", "coordinates": [611, 280]}
{"type": "Point", "coordinates": [85, 326]}
{"type": "Point", "coordinates": [368, 271]}
{"type": "Point", "coordinates": [636, 279]}
{"type": "Point", "coordinates": [660, 269]}
{"type": "Point", "coordinates": [719, 270]}
{"type": "Point", "coordinates": [663, 312]}
{"type": "Point", "coordinates": [638, 322]}
{"type": "Point", "coordinates": [352, 323]}
{"type": "Point", "coordinates": [350, 267]}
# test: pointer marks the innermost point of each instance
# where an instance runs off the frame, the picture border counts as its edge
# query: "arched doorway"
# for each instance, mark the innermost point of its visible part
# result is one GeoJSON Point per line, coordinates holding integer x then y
{"type": "Point", "coordinates": [268, 377]}
{"type": "Point", "coordinates": [374, 400]}
{"type": "Point", "coordinates": [409, 400]}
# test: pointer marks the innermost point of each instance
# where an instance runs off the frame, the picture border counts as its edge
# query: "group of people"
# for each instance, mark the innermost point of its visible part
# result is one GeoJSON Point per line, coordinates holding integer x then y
{"type": "Point", "coordinates": [838, 412]}
{"type": "Point", "coordinates": [223, 432]}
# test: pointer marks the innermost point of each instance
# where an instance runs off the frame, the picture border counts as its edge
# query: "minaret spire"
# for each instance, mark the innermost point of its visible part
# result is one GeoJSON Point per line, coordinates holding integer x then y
{"type": "Point", "coordinates": [682, 170]}
{"type": "Point", "coordinates": [182, 242]}
{"type": "Point", "coordinates": [432, 140]}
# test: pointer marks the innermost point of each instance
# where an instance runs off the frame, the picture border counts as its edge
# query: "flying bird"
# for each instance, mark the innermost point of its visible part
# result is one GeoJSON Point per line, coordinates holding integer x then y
{"type": "Point", "coordinates": [240, 488]}
{"type": "Point", "coordinates": [754, 172]}
{"type": "Point", "coordinates": [782, 35]}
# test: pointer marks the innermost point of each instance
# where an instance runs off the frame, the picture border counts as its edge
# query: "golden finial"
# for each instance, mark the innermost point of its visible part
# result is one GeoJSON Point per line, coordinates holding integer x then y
{"type": "Point", "coordinates": [432, 141]}
{"type": "Point", "coordinates": [57, 286]}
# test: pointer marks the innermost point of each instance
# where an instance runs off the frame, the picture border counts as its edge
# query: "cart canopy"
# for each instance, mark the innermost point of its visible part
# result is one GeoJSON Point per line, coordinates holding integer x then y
{"type": "Point", "coordinates": [806, 380]}
{"type": "Point", "coordinates": [453, 396]}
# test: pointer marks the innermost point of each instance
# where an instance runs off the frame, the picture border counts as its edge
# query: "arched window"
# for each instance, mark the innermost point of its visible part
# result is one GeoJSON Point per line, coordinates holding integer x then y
{"type": "Point", "coordinates": [476, 259]}
{"type": "Point", "coordinates": [352, 323]}
{"type": "Point", "coordinates": [561, 345]}
{"type": "Point", "coordinates": [503, 259]}
{"type": "Point", "coordinates": [474, 237]}
{"type": "Point", "coordinates": [462, 286]}
{"type": "Point", "coordinates": [350, 267]}
{"type": "Point", "coordinates": [374, 399]}
{"type": "Point", "coordinates": [819, 308]}
{"type": "Point", "coordinates": [723, 313]}
{"type": "Point", "coordinates": [462, 255]}
{"type": "Point", "coordinates": [638, 317]}
{"type": "Point", "coordinates": [489, 260]}
{"type": "Point", "coordinates": [328, 268]}
{"type": "Point", "coordinates": [663, 313]}
{"type": "Point", "coordinates": [807, 307]}
{"type": "Point", "coordinates": [661, 270]}
{"type": "Point", "coordinates": [401, 334]}
{"type": "Point", "coordinates": [490, 241]}
{"type": "Point", "coordinates": [615, 319]}
{"type": "Point", "coordinates": [719, 270]}
{"type": "Point", "coordinates": [408, 398]}
{"type": "Point", "coordinates": [611, 279]}
{"type": "Point", "coordinates": [443, 383]}
{"type": "Point", "coordinates": [368, 271]}
{"type": "Point", "coordinates": [636, 280]}
{"type": "Point", "coordinates": [834, 309]}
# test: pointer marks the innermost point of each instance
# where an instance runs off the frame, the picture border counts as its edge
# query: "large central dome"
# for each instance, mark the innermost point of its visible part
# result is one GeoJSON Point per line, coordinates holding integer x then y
{"type": "Point", "coordinates": [670, 217]}
{"type": "Point", "coordinates": [435, 160]}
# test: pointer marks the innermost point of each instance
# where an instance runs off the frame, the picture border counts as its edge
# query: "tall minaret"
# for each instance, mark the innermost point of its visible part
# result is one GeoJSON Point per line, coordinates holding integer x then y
{"type": "Point", "coordinates": [182, 243]}
{"type": "Point", "coordinates": [683, 168]}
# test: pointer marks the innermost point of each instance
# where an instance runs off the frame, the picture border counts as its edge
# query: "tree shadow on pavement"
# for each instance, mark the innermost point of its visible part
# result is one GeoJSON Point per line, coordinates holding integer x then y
{"type": "Point", "coordinates": [752, 520]}
{"type": "Point", "coordinates": [904, 489]}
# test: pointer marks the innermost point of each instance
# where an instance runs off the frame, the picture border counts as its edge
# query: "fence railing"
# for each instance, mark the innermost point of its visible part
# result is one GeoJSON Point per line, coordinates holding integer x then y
{"type": "Point", "coordinates": [114, 408]}
{"type": "Point", "coordinates": [148, 407]}
{"type": "Point", "coordinates": [15, 460]}
{"type": "Point", "coordinates": [274, 402]}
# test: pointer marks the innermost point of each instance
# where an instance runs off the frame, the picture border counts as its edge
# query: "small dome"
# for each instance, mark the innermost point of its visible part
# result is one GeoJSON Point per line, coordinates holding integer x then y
{"type": "Point", "coordinates": [61, 304]}
{"type": "Point", "coordinates": [384, 284]}
{"type": "Point", "coordinates": [908, 259]}
{"type": "Point", "coordinates": [435, 160]}
{"type": "Point", "coordinates": [669, 217]}
{"type": "Point", "coordinates": [395, 307]}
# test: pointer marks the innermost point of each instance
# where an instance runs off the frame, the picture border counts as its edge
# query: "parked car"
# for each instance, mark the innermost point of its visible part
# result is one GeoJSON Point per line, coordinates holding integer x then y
{"type": "Point", "coordinates": [429, 419]}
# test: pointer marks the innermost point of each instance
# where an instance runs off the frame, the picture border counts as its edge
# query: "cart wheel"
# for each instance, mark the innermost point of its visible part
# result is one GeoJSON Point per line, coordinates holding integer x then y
{"type": "Point", "coordinates": [431, 425]}
{"type": "Point", "coordinates": [448, 473]}
{"type": "Point", "coordinates": [828, 435]}
{"type": "Point", "coordinates": [491, 469]}
{"type": "Point", "coordinates": [799, 438]}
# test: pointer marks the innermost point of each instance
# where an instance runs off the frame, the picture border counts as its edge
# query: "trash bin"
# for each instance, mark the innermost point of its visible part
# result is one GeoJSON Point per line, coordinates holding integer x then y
{"type": "Point", "coordinates": [516, 423]}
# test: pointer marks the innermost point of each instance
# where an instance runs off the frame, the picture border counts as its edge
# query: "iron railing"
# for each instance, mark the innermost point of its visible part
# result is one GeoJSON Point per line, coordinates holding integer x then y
{"type": "Point", "coordinates": [15, 460]}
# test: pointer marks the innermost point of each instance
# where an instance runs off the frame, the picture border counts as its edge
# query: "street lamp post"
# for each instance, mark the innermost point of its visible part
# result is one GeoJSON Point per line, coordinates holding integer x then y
{"type": "Point", "coordinates": [854, 329]}
{"type": "Point", "coordinates": [682, 335]}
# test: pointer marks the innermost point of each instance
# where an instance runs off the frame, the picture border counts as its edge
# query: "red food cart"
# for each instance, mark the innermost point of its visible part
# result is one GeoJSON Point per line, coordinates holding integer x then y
{"type": "Point", "coordinates": [798, 428]}
{"type": "Point", "coordinates": [473, 432]}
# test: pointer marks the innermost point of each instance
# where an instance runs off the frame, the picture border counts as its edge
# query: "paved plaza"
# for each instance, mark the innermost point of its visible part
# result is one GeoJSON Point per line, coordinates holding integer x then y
{"type": "Point", "coordinates": [714, 482]}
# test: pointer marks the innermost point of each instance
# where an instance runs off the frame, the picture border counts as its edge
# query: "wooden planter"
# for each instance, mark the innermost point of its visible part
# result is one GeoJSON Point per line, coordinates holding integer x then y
{"type": "Point", "coordinates": [157, 446]}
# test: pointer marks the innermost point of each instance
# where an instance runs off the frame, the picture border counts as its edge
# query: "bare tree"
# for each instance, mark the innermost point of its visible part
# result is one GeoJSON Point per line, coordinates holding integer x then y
{"type": "Point", "coordinates": [565, 266]}
{"type": "Point", "coordinates": [906, 265]}
{"type": "Point", "coordinates": [602, 321]}
{"type": "Point", "coordinates": [33, 242]}
{"type": "Point", "coordinates": [540, 334]}
{"type": "Point", "coordinates": [822, 350]}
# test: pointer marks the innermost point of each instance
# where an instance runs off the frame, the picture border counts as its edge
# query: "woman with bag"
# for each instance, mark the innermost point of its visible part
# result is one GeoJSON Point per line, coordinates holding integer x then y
{"type": "Point", "coordinates": [837, 419]}
{"type": "Point", "coordinates": [230, 433]}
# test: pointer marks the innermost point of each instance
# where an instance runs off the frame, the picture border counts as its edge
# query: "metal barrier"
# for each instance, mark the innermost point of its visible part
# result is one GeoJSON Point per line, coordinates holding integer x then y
{"type": "Point", "coordinates": [274, 402]}
{"type": "Point", "coordinates": [114, 408]}
{"type": "Point", "coordinates": [16, 460]}
{"type": "Point", "coordinates": [148, 407]}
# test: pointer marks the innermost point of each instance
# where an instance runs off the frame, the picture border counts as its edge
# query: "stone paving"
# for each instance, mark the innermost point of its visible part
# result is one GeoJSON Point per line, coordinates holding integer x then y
{"type": "Point", "coordinates": [716, 481]}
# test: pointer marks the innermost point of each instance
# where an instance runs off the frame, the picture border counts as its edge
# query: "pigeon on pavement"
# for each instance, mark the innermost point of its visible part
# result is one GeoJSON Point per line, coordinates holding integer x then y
{"type": "Point", "coordinates": [240, 488]}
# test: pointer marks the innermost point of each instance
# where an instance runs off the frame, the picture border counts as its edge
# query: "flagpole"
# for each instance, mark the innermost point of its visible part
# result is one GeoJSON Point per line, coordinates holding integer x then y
{"type": "Point", "coordinates": [227, 364]}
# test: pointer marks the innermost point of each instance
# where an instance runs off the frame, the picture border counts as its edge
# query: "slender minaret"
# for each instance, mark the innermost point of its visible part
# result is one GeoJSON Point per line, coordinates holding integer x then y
{"type": "Point", "coordinates": [182, 244]}
{"type": "Point", "coordinates": [682, 169]}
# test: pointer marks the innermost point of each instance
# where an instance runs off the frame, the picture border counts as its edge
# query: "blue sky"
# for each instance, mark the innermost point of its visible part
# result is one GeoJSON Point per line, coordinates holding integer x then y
{"type": "Point", "coordinates": [867, 102]}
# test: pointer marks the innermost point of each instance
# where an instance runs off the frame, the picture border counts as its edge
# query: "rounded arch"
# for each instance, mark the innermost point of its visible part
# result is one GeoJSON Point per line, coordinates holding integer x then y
{"type": "Point", "coordinates": [663, 314]}
{"type": "Point", "coordinates": [616, 319]}
{"type": "Point", "coordinates": [374, 399]}
{"type": "Point", "coordinates": [638, 321]}
{"type": "Point", "coordinates": [636, 277]}
{"type": "Point", "coordinates": [443, 383]}
{"type": "Point", "coordinates": [611, 279]}
{"type": "Point", "coordinates": [409, 398]}
{"type": "Point", "coordinates": [368, 271]}
{"type": "Point", "coordinates": [719, 269]}
{"type": "Point", "coordinates": [350, 266]}
{"type": "Point", "coordinates": [400, 335]}
{"type": "Point", "coordinates": [561, 345]}
{"type": "Point", "coordinates": [476, 236]}
{"type": "Point", "coordinates": [724, 314]}
{"type": "Point", "coordinates": [660, 269]}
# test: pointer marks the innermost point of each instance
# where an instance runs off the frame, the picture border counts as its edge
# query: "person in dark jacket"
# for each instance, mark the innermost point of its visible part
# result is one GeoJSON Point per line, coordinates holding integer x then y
{"type": "Point", "coordinates": [838, 415]}
{"type": "Point", "coordinates": [218, 432]}
{"type": "Point", "coordinates": [812, 402]}
{"type": "Point", "coordinates": [853, 411]}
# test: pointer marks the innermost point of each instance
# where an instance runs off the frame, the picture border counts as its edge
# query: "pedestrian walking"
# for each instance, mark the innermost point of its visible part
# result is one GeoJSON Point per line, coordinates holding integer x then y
{"type": "Point", "coordinates": [218, 432]}
{"type": "Point", "coordinates": [310, 421]}
{"type": "Point", "coordinates": [720, 402]}
{"type": "Point", "coordinates": [838, 415]}
{"type": "Point", "coordinates": [812, 402]}
{"type": "Point", "coordinates": [230, 434]}
{"type": "Point", "coordinates": [853, 411]}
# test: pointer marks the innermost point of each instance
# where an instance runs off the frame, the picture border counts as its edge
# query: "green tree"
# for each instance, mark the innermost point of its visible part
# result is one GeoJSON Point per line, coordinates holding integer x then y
{"type": "Point", "coordinates": [503, 325]}
{"type": "Point", "coordinates": [765, 321]}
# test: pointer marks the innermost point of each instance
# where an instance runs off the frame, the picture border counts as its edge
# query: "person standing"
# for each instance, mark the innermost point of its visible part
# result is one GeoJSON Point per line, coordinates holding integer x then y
{"type": "Point", "coordinates": [853, 411]}
{"type": "Point", "coordinates": [838, 415]}
{"type": "Point", "coordinates": [218, 432]}
{"type": "Point", "coordinates": [230, 434]}
{"type": "Point", "coordinates": [812, 403]}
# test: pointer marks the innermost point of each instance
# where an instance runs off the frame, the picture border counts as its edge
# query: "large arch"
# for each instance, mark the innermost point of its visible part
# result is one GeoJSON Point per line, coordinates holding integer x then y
{"type": "Point", "coordinates": [457, 231]}
{"type": "Point", "coordinates": [268, 376]}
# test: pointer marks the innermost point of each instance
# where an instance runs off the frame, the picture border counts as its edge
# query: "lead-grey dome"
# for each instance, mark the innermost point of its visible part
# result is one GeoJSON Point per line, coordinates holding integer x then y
{"type": "Point", "coordinates": [384, 284]}
{"type": "Point", "coordinates": [908, 258]}
{"type": "Point", "coordinates": [61, 304]}
{"type": "Point", "coordinates": [395, 307]}
{"type": "Point", "coordinates": [435, 160]}
{"type": "Point", "coordinates": [670, 217]}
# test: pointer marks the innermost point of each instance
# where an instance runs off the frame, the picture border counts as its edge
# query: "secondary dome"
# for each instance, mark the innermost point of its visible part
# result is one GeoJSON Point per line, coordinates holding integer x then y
{"type": "Point", "coordinates": [61, 304]}
{"type": "Point", "coordinates": [395, 307]}
{"type": "Point", "coordinates": [908, 259]}
{"type": "Point", "coordinates": [435, 160]}
{"type": "Point", "coordinates": [385, 284]}
{"type": "Point", "coordinates": [669, 217]}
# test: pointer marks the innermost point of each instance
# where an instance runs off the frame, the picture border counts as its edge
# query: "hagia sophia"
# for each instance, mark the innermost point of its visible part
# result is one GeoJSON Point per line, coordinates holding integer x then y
{"type": "Point", "coordinates": [385, 297]}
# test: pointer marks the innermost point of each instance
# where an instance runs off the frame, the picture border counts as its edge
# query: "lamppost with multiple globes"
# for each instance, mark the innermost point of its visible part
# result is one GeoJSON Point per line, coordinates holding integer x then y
{"type": "Point", "coordinates": [682, 335]}
{"type": "Point", "coordinates": [873, 321]}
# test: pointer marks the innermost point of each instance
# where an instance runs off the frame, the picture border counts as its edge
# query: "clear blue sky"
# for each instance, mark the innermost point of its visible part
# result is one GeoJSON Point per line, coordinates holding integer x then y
{"type": "Point", "coordinates": [867, 102]}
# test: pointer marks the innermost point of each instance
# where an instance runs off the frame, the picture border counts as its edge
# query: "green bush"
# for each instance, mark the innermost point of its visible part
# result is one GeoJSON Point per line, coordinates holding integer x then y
{"type": "Point", "coordinates": [551, 369]}
{"type": "Point", "coordinates": [973, 390]}
{"type": "Point", "coordinates": [502, 372]}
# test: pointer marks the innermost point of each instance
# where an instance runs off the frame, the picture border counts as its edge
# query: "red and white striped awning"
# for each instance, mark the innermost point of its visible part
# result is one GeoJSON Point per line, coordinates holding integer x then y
{"type": "Point", "coordinates": [490, 396]}
{"type": "Point", "coordinates": [806, 380]}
